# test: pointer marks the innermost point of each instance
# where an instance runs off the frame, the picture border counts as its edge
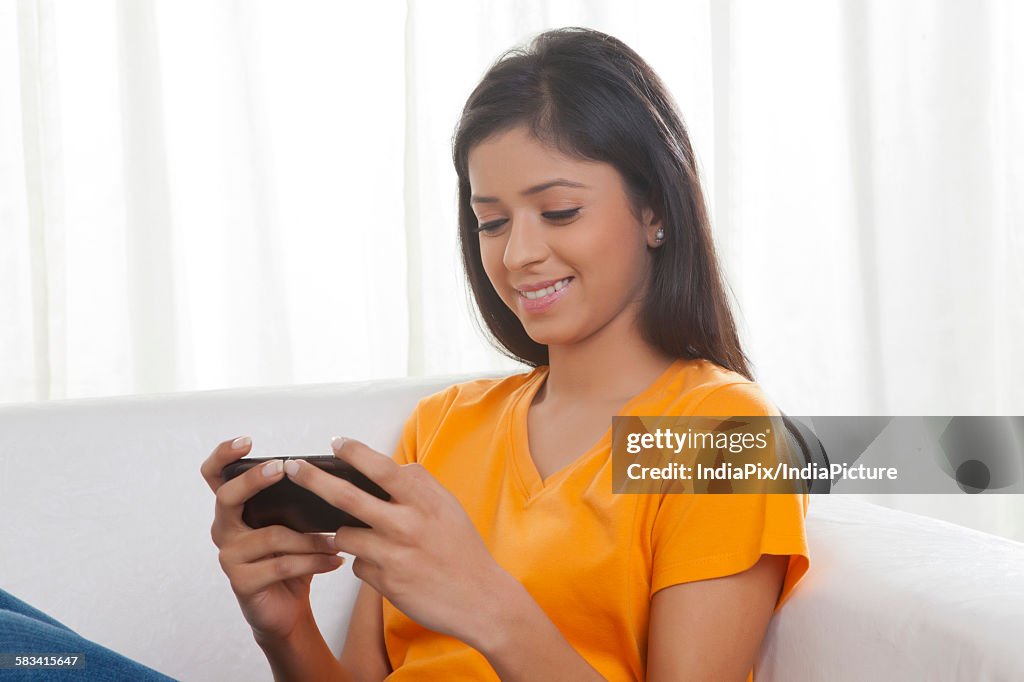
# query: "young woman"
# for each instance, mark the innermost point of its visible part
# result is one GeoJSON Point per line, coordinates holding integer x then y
{"type": "Point", "coordinates": [503, 552]}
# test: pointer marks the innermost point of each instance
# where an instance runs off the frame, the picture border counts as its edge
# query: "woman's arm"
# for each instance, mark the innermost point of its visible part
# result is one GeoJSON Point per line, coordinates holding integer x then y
{"type": "Point", "coordinates": [303, 655]}
{"type": "Point", "coordinates": [712, 629]}
{"type": "Point", "coordinates": [364, 655]}
{"type": "Point", "coordinates": [424, 554]}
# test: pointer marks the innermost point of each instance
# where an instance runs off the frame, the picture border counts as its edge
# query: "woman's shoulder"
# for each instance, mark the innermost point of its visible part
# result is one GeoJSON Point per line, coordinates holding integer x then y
{"type": "Point", "coordinates": [485, 393]}
{"type": "Point", "coordinates": [704, 387]}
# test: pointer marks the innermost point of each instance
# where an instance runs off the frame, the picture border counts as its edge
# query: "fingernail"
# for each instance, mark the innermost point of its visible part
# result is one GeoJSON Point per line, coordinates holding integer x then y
{"type": "Point", "coordinates": [337, 442]}
{"type": "Point", "coordinates": [292, 467]}
{"type": "Point", "coordinates": [241, 443]}
{"type": "Point", "coordinates": [331, 543]}
{"type": "Point", "coordinates": [271, 469]}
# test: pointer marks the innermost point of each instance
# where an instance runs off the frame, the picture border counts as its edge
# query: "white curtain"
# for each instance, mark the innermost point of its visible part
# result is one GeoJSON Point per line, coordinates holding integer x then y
{"type": "Point", "coordinates": [197, 195]}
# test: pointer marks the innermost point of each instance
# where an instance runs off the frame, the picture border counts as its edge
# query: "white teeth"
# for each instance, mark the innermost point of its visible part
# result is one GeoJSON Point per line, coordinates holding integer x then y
{"type": "Point", "coordinates": [540, 293]}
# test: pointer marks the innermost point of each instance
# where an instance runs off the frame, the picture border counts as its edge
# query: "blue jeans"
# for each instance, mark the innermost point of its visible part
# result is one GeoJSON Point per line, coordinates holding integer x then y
{"type": "Point", "coordinates": [26, 631]}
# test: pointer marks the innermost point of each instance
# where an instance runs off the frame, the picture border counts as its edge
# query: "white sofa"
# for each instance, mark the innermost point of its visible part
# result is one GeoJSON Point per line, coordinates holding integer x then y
{"type": "Point", "coordinates": [106, 519]}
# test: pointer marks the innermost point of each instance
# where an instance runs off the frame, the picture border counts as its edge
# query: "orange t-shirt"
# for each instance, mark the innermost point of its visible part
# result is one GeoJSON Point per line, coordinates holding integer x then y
{"type": "Point", "coordinates": [590, 558]}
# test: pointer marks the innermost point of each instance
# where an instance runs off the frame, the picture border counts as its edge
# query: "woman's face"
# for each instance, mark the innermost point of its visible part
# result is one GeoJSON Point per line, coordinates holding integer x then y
{"type": "Point", "coordinates": [539, 233]}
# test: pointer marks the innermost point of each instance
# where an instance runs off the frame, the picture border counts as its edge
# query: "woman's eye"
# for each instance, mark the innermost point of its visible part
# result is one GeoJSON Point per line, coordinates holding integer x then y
{"type": "Point", "coordinates": [555, 215]}
{"type": "Point", "coordinates": [487, 227]}
{"type": "Point", "coordinates": [562, 215]}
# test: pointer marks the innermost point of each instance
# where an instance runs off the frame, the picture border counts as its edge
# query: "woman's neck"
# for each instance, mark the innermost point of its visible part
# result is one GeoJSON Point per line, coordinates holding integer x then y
{"type": "Point", "coordinates": [600, 374]}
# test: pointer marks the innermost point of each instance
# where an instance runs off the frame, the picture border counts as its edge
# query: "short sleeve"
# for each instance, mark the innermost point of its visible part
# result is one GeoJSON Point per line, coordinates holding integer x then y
{"type": "Point", "coordinates": [420, 426]}
{"type": "Point", "coordinates": [699, 536]}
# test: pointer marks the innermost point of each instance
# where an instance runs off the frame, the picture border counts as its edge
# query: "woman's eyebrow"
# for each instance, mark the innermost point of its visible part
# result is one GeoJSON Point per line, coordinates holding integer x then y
{"type": "Point", "coordinates": [557, 182]}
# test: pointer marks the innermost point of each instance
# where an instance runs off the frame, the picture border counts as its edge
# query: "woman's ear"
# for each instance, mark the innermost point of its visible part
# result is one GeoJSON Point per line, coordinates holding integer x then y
{"type": "Point", "coordinates": [653, 229]}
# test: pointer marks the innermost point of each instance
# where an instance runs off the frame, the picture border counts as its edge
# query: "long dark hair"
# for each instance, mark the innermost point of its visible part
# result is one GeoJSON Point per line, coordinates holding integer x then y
{"type": "Point", "coordinates": [591, 97]}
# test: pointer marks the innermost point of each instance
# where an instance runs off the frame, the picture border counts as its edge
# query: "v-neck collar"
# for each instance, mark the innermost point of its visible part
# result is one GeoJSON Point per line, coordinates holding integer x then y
{"type": "Point", "coordinates": [530, 481]}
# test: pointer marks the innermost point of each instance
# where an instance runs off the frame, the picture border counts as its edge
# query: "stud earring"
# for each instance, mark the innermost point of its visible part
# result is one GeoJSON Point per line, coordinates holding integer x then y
{"type": "Point", "coordinates": [659, 235]}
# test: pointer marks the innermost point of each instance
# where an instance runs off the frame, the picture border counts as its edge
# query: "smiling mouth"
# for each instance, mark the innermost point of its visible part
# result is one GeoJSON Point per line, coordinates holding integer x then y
{"type": "Point", "coordinates": [541, 293]}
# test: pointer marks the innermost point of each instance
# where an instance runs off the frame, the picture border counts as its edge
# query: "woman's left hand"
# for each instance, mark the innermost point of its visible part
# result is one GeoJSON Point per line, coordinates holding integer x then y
{"type": "Point", "coordinates": [422, 551]}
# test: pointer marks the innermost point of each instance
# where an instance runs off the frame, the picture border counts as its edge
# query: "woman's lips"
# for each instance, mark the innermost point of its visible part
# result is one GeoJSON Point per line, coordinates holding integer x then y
{"type": "Point", "coordinates": [537, 305]}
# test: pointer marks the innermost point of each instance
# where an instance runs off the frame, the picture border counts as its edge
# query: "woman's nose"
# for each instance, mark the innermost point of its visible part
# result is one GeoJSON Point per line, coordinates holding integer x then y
{"type": "Point", "coordinates": [526, 244]}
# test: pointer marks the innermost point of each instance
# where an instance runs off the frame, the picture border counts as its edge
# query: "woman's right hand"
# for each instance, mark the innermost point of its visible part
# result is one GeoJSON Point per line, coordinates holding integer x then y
{"type": "Point", "coordinates": [270, 568]}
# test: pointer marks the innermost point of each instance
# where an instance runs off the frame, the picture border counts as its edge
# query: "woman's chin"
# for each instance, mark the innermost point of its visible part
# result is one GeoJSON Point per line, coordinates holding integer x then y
{"type": "Point", "coordinates": [547, 337]}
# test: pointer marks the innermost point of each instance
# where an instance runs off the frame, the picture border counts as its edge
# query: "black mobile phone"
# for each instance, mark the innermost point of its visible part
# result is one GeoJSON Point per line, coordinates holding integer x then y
{"type": "Point", "coordinates": [289, 504]}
